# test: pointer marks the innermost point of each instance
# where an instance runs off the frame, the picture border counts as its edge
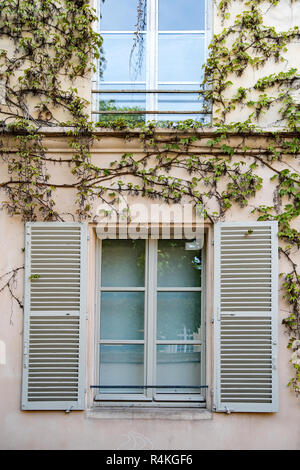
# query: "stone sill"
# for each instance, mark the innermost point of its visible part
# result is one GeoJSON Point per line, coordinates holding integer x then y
{"type": "Point", "coordinates": [122, 412]}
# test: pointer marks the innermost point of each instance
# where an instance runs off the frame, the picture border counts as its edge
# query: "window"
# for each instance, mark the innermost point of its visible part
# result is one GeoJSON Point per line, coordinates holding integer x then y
{"type": "Point", "coordinates": [151, 329]}
{"type": "Point", "coordinates": [150, 332]}
{"type": "Point", "coordinates": [157, 73]}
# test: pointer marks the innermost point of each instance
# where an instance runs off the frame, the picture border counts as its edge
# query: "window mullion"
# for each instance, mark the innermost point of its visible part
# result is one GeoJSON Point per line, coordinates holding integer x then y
{"type": "Point", "coordinates": [151, 317]}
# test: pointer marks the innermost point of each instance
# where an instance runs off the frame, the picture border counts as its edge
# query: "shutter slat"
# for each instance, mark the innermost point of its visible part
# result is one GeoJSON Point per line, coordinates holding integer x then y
{"type": "Point", "coordinates": [54, 324]}
{"type": "Point", "coordinates": [245, 311]}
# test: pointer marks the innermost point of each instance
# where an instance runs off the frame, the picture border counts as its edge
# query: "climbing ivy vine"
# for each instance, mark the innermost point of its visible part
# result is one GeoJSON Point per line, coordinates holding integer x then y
{"type": "Point", "coordinates": [48, 50]}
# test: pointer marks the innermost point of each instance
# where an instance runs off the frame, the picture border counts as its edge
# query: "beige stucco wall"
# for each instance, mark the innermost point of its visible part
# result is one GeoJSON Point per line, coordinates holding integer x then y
{"type": "Point", "coordinates": [91, 429]}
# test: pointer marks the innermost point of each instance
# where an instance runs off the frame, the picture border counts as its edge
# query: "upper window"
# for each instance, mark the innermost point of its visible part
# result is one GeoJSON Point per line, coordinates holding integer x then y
{"type": "Point", "coordinates": [151, 328]}
{"type": "Point", "coordinates": [155, 74]}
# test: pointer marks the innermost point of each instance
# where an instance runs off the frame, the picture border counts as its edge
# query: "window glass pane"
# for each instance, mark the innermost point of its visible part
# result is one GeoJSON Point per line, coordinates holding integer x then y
{"type": "Point", "coordinates": [166, 120]}
{"type": "Point", "coordinates": [121, 365]}
{"type": "Point", "coordinates": [178, 365]}
{"type": "Point", "coordinates": [180, 57]}
{"type": "Point", "coordinates": [122, 102]}
{"type": "Point", "coordinates": [181, 15]}
{"type": "Point", "coordinates": [119, 15]}
{"type": "Point", "coordinates": [122, 315]}
{"type": "Point", "coordinates": [120, 65]}
{"type": "Point", "coordinates": [178, 315]}
{"type": "Point", "coordinates": [178, 267]}
{"type": "Point", "coordinates": [179, 102]}
{"type": "Point", "coordinates": [123, 263]}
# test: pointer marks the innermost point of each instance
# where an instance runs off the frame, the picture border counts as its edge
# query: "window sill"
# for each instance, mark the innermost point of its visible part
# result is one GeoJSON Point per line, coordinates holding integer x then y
{"type": "Point", "coordinates": [127, 412]}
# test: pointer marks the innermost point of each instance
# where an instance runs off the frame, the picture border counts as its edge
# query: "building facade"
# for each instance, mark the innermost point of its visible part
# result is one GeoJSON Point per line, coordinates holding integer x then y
{"type": "Point", "coordinates": [153, 338]}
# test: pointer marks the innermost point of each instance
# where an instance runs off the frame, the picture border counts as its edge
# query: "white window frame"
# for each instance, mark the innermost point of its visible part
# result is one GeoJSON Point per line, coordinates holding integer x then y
{"type": "Point", "coordinates": [151, 79]}
{"type": "Point", "coordinates": [149, 398]}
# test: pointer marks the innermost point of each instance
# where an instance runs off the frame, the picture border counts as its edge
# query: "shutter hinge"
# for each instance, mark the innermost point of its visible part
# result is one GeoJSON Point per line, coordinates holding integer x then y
{"type": "Point", "coordinates": [86, 316]}
{"type": "Point", "coordinates": [88, 237]}
{"type": "Point", "coordinates": [212, 320]}
{"type": "Point", "coordinates": [213, 242]}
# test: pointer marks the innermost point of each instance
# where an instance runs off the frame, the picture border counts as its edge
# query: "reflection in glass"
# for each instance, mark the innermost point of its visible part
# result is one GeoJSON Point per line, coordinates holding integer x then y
{"type": "Point", "coordinates": [122, 102]}
{"type": "Point", "coordinates": [123, 263]}
{"type": "Point", "coordinates": [122, 315]}
{"type": "Point", "coordinates": [180, 57]}
{"type": "Point", "coordinates": [176, 266]}
{"type": "Point", "coordinates": [119, 15]}
{"type": "Point", "coordinates": [121, 365]}
{"type": "Point", "coordinates": [178, 365]}
{"type": "Point", "coordinates": [181, 15]}
{"type": "Point", "coordinates": [119, 64]}
{"type": "Point", "coordinates": [178, 315]}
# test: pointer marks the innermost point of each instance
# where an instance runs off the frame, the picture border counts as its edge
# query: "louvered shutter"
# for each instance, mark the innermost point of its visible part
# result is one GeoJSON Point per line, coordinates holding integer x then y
{"type": "Point", "coordinates": [54, 316]}
{"type": "Point", "coordinates": [245, 316]}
